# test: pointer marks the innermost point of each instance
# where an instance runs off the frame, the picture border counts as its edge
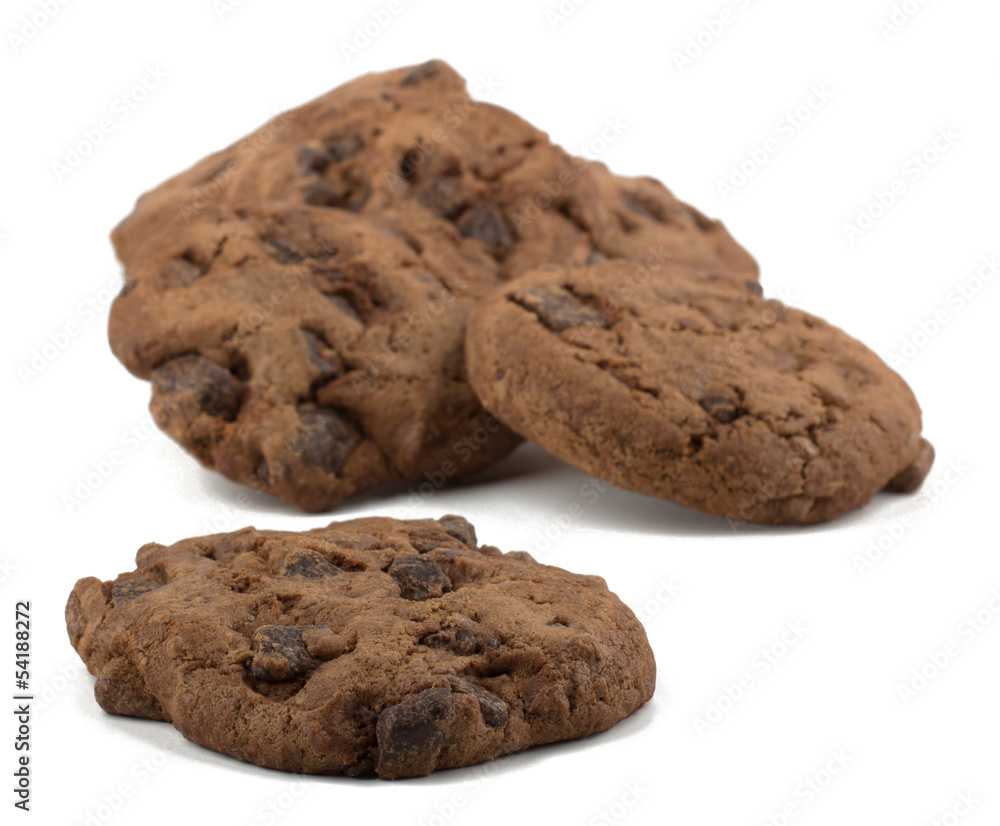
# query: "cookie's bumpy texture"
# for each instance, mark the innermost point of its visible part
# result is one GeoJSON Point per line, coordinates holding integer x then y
{"type": "Point", "coordinates": [690, 386]}
{"type": "Point", "coordinates": [369, 646]}
{"type": "Point", "coordinates": [299, 299]}
{"type": "Point", "coordinates": [308, 352]}
{"type": "Point", "coordinates": [412, 145]}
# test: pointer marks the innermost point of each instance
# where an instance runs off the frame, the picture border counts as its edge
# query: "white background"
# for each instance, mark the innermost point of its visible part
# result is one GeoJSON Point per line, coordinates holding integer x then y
{"type": "Point", "coordinates": [887, 95]}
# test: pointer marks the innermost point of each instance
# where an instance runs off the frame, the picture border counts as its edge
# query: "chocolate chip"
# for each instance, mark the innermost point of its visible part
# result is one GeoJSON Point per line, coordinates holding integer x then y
{"type": "Point", "coordinates": [425, 545]}
{"type": "Point", "coordinates": [279, 654]}
{"type": "Point", "coordinates": [180, 273]}
{"type": "Point", "coordinates": [644, 206]}
{"type": "Point", "coordinates": [126, 589]}
{"type": "Point", "coordinates": [322, 356]}
{"type": "Point", "coordinates": [194, 380]}
{"type": "Point", "coordinates": [461, 529]}
{"type": "Point", "coordinates": [120, 690]}
{"type": "Point", "coordinates": [360, 769]}
{"type": "Point", "coordinates": [313, 158]}
{"type": "Point", "coordinates": [912, 476]}
{"type": "Point", "coordinates": [486, 223]}
{"type": "Point", "coordinates": [557, 311]}
{"type": "Point", "coordinates": [443, 196]}
{"type": "Point", "coordinates": [460, 641]}
{"type": "Point", "coordinates": [410, 162]}
{"type": "Point", "coordinates": [419, 577]}
{"type": "Point", "coordinates": [325, 438]}
{"type": "Point", "coordinates": [595, 258]}
{"type": "Point", "coordinates": [348, 194]}
{"type": "Point", "coordinates": [418, 73]}
{"type": "Point", "coordinates": [344, 147]}
{"type": "Point", "coordinates": [319, 192]}
{"type": "Point", "coordinates": [494, 710]}
{"type": "Point", "coordinates": [412, 733]}
{"type": "Point", "coordinates": [127, 287]}
{"type": "Point", "coordinates": [263, 473]}
{"type": "Point", "coordinates": [754, 287]}
{"type": "Point", "coordinates": [286, 252]}
{"type": "Point", "coordinates": [308, 563]}
{"type": "Point", "coordinates": [719, 407]}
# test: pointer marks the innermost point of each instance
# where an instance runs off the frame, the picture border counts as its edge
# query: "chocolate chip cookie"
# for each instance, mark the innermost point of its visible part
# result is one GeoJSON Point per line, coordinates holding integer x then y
{"type": "Point", "coordinates": [372, 646]}
{"type": "Point", "coordinates": [299, 299]}
{"type": "Point", "coordinates": [689, 385]}
{"type": "Point", "coordinates": [413, 145]}
{"type": "Point", "coordinates": [309, 352]}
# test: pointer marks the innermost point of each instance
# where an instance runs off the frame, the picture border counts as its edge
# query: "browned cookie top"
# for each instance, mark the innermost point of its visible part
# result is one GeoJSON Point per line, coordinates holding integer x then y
{"type": "Point", "coordinates": [309, 352]}
{"type": "Point", "coordinates": [299, 299]}
{"type": "Point", "coordinates": [372, 645]}
{"type": "Point", "coordinates": [412, 144]}
{"type": "Point", "coordinates": [689, 385]}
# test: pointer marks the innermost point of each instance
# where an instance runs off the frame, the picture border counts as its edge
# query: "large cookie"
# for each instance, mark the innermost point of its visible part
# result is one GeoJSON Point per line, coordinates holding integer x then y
{"type": "Point", "coordinates": [369, 646]}
{"type": "Point", "coordinates": [690, 386]}
{"type": "Point", "coordinates": [309, 352]}
{"type": "Point", "coordinates": [299, 299]}
{"type": "Point", "coordinates": [411, 144]}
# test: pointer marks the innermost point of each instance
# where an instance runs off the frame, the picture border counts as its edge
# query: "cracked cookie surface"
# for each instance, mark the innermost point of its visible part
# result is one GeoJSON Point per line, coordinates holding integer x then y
{"type": "Point", "coordinates": [689, 385]}
{"type": "Point", "coordinates": [412, 145]}
{"type": "Point", "coordinates": [298, 300]}
{"type": "Point", "coordinates": [308, 352]}
{"type": "Point", "coordinates": [371, 646]}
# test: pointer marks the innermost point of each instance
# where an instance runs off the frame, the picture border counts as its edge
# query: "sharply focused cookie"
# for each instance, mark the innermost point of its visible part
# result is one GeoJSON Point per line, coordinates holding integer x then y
{"type": "Point", "coordinates": [689, 385]}
{"type": "Point", "coordinates": [307, 352]}
{"type": "Point", "coordinates": [299, 299]}
{"type": "Point", "coordinates": [369, 646]}
{"type": "Point", "coordinates": [411, 144]}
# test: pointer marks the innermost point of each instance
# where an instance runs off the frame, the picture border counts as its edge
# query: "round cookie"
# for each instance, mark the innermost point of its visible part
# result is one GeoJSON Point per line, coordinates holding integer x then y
{"type": "Point", "coordinates": [413, 146]}
{"type": "Point", "coordinates": [309, 352]}
{"type": "Point", "coordinates": [369, 646]}
{"type": "Point", "coordinates": [690, 386]}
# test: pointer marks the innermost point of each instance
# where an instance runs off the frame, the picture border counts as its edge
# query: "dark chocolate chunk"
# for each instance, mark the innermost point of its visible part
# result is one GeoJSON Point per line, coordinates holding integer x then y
{"type": "Point", "coordinates": [460, 641]}
{"type": "Point", "coordinates": [557, 310]}
{"type": "Point", "coordinates": [912, 476]}
{"type": "Point", "coordinates": [344, 147]}
{"type": "Point", "coordinates": [120, 690]}
{"type": "Point", "coordinates": [418, 73]}
{"type": "Point", "coordinates": [180, 273]}
{"type": "Point", "coordinates": [460, 528]}
{"type": "Point", "coordinates": [360, 769]}
{"type": "Point", "coordinates": [494, 710]}
{"type": "Point", "coordinates": [285, 252]}
{"type": "Point", "coordinates": [313, 158]}
{"type": "Point", "coordinates": [325, 438]}
{"type": "Point", "coordinates": [319, 192]}
{"type": "Point", "coordinates": [310, 564]}
{"type": "Point", "coordinates": [644, 206]}
{"type": "Point", "coordinates": [212, 388]}
{"type": "Point", "coordinates": [486, 223]}
{"type": "Point", "coordinates": [720, 408]}
{"type": "Point", "coordinates": [323, 356]}
{"type": "Point", "coordinates": [412, 733]}
{"type": "Point", "coordinates": [419, 577]}
{"type": "Point", "coordinates": [279, 654]}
